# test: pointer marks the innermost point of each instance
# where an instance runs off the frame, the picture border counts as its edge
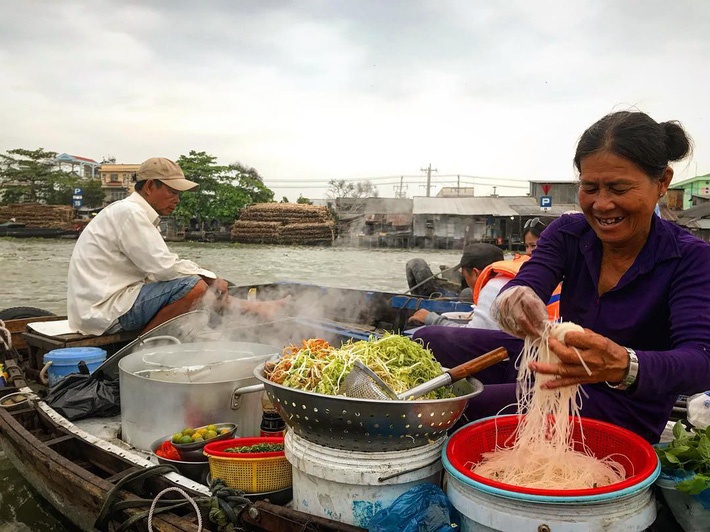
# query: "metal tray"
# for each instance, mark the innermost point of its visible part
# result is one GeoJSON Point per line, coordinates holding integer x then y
{"type": "Point", "coordinates": [367, 425]}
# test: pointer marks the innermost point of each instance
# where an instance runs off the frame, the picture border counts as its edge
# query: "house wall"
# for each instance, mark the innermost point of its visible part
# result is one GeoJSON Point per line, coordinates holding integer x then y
{"type": "Point", "coordinates": [117, 180]}
{"type": "Point", "coordinates": [562, 193]}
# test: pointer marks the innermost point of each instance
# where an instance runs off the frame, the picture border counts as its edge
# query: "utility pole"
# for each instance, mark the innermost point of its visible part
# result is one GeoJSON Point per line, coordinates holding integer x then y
{"type": "Point", "coordinates": [399, 190]}
{"type": "Point", "coordinates": [428, 171]}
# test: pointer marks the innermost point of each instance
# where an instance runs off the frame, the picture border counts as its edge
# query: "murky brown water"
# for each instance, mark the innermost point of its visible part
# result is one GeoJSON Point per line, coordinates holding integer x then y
{"type": "Point", "coordinates": [33, 274]}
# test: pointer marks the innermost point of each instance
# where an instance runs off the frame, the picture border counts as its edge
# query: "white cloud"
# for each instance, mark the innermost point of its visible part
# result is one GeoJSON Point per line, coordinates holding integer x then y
{"type": "Point", "coordinates": [315, 90]}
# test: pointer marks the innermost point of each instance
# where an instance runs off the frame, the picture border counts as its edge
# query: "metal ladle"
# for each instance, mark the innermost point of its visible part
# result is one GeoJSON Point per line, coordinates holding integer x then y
{"type": "Point", "coordinates": [363, 383]}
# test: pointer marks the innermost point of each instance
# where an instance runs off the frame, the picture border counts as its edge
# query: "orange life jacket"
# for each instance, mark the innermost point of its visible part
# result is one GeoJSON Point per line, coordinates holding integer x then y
{"type": "Point", "coordinates": [510, 268]}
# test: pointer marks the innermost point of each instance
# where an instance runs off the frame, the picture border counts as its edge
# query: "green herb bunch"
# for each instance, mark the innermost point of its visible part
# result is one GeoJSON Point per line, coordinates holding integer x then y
{"type": "Point", "coordinates": [690, 452]}
{"type": "Point", "coordinates": [256, 448]}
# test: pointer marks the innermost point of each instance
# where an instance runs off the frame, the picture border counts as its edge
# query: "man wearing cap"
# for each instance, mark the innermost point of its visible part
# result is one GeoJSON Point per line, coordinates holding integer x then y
{"type": "Point", "coordinates": [474, 259]}
{"type": "Point", "coordinates": [122, 274]}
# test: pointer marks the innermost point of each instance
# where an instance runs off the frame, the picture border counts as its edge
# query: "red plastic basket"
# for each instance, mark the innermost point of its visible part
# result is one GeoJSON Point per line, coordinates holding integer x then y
{"type": "Point", "coordinates": [635, 454]}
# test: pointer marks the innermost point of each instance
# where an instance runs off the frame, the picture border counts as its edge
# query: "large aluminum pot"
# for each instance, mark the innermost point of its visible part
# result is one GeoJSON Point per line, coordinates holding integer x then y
{"type": "Point", "coordinates": [167, 388]}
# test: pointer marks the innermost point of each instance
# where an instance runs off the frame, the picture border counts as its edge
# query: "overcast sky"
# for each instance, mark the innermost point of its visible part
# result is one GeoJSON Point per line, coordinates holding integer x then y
{"type": "Point", "coordinates": [308, 91]}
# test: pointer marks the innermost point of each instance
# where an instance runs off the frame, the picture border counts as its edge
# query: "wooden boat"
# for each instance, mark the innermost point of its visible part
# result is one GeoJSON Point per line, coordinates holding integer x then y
{"type": "Point", "coordinates": [77, 469]}
{"type": "Point", "coordinates": [20, 230]}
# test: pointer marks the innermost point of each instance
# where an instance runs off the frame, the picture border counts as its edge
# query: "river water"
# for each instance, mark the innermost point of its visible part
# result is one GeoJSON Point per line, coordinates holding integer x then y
{"type": "Point", "coordinates": [33, 274]}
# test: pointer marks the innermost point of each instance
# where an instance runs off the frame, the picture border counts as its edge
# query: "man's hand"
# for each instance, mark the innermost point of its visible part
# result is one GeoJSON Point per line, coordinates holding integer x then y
{"type": "Point", "coordinates": [419, 317]}
{"type": "Point", "coordinates": [268, 309]}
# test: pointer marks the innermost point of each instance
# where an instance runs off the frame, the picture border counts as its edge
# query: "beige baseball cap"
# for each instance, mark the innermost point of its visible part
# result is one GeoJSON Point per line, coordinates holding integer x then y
{"type": "Point", "coordinates": [166, 171]}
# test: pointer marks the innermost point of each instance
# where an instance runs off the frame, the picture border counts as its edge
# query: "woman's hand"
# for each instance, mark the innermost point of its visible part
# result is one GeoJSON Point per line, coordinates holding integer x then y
{"type": "Point", "coordinates": [606, 360]}
{"type": "Point", "coordinates": [520, 312]}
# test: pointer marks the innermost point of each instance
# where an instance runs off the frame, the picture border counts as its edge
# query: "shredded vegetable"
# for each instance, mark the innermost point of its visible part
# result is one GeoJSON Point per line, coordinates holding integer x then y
{"type": "Point", "coordinates": [318, 367]}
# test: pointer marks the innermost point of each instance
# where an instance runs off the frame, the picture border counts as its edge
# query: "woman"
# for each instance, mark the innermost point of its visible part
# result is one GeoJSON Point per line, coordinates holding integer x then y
{"type": "Point", "coordinates": [639, 285]}
{"type": "Point", "coordinates": [531, 234]}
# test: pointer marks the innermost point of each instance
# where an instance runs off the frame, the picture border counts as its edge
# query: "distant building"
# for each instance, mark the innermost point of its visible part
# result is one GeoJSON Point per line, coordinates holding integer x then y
{"type": "Point", "coordinates": [81, 167]}
{"type": "Point", "coordinates": [455, 192]}
{"type": "Point", "coordinates": [696, 220]}
{"type": "Point", "coordinates": [698, 186]}
{"type": "Point", "coordinates": [117, 180]}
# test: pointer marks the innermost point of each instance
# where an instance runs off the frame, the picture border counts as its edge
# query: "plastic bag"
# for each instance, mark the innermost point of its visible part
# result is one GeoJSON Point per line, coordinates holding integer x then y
{"type": "Point", "coordinates": [80, 395]}
{"type": "Point", "coordinates": [699, 410]}
{"type": "Point", "coordinates": [424, 508]}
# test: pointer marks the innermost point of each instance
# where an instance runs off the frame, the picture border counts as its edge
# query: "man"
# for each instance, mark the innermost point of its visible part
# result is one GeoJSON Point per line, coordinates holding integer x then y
{"type": "Point", "coordinates": [122, 274]}
{"type": "Point", "coordinates": [474, 259]}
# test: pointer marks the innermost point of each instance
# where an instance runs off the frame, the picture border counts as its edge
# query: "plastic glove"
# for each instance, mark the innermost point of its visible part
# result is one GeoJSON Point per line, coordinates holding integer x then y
{"type": "Point", "coordinates": [520, 312]}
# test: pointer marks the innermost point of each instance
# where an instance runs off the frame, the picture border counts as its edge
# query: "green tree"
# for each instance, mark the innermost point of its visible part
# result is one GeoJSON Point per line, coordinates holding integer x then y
{"type": "Point", "coordinates": [30, 176]}
{"type": "Point", "coordinates": [284, 199]}
{"type": "Point", "coordinates": [91, 191]}
{"type": "Point", "coordinates": [223, 191]}
{"type": "Point", "coordinates": [303, 200]}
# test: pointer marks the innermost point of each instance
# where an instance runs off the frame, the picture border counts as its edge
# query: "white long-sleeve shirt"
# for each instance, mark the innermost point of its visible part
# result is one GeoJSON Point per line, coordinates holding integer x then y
{"type": "Point", "coordinates": [119, 251]}
{"type": "Point", "coordinates": [481, 315]}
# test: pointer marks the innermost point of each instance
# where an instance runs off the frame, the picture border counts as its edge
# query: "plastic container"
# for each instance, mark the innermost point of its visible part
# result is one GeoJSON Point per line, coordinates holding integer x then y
{"type": "Point", "coordinates": [636, 455]}
{"type": "Point", "coordinates": [351, 486]}
{"type": "Point", "coordinates": [687, 509]}
{"type": "Point", "coordinates": [489, 505]}
{"type": "Point", "coordinates": [482, 511]}
{"type": "Point", "coordinates": [249, 472]}
{"type": "Point", "coordinates": [65, 361]}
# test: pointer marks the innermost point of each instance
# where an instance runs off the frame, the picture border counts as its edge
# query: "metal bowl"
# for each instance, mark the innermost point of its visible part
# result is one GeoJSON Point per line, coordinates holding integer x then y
{"type": "Point", "coordinates": [14, 401]}
{"type": "Point", "coordinates": [194, 470]}
{"type": "Point", "coordinates": [351, 424]}
{"type": "Point", "coordinates": [193, 451]}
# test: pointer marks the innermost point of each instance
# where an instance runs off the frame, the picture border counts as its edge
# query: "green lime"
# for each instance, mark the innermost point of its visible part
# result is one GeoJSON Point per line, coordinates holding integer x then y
{"type": "Point", "coordinates": [177, 437]}
{"type": "Point", "coordinates": [197, 437]}
{"type": "Point", "coordinates": [212, 428]}
{"type": "Point", "coordinates": [188, 431]}
{"type": "Point", "coordinates": [185, 439]}
{"type": "Point", "coordinates": [210, 434]}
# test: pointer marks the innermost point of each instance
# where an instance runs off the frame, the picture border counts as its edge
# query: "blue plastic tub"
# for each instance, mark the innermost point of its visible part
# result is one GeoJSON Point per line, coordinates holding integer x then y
{"type": "Point", "coordinates": [66, 361]}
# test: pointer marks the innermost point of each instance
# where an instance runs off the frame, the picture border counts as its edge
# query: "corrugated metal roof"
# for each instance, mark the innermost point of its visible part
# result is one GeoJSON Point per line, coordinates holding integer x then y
{"type": "Point", "coordinates": [555, 210]}
{"type": "Point", "coordinates": [488, 206]}
{"type": "Point", "coordinates": [388, 206]}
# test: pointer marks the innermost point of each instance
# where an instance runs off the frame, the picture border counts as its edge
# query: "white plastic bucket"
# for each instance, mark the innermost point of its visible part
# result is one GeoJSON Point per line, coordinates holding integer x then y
{"type": "Point", "coordinates": [686, 509]}
{"type": "Point", "coordinates": [351, 486]}
{"type": "Point", "coordinates": [482, 511]}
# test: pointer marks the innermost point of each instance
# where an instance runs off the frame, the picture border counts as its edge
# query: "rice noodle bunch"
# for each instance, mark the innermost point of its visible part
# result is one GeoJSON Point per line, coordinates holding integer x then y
{"type": "Point", "coordinates": [542, 455]}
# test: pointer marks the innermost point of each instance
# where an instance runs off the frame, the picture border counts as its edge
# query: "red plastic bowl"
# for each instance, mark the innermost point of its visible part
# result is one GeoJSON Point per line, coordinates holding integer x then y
{"type": "Point", "coordinates": [635, 454]}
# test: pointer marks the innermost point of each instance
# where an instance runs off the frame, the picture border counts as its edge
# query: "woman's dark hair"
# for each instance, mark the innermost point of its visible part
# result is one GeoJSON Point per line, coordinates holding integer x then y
{"type": "Point", "coordinates": [637, 137]}
{"type": "Point", "coordinates": [535, 230]}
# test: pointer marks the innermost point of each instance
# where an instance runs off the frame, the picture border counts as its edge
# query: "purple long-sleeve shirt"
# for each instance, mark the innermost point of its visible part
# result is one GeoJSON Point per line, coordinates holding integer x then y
{"type": "Point", "coordinates": [660, 308]}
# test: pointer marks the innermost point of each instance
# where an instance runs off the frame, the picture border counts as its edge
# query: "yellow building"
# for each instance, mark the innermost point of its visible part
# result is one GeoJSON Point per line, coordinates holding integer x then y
{"type": "Point", "coordinates": [117, 180]}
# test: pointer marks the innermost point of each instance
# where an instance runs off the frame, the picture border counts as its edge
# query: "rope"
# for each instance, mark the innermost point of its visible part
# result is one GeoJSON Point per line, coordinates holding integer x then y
{"type": "Point", "coordinates": [5, 337]}
{"type": "Point", "coordinates": [224, 505]}
{"type": "Point", "coordinates": [184, 494]}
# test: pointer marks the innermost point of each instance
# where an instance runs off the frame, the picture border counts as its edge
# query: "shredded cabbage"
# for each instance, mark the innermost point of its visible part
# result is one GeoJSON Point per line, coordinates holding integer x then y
{"type": "Point", "coordinates": [318, 367]}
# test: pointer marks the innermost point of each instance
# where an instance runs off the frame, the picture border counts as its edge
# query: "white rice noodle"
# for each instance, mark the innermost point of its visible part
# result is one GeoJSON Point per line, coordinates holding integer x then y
{"type": "Point", "coordinates": [542, 455]}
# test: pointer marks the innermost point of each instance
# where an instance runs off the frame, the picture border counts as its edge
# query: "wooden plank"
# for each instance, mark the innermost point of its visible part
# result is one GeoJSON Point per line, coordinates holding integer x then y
{"type": "Point", "coordinates": [17, 327]}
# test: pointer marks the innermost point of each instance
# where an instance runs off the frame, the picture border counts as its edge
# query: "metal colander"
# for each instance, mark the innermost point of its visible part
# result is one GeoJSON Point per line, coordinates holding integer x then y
{"type": "Point", "coordinates": [355, 424]}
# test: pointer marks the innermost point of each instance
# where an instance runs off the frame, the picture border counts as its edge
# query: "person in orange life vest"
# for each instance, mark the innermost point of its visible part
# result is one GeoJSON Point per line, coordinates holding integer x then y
{"type": "Point", "coordinates": [489, 282]}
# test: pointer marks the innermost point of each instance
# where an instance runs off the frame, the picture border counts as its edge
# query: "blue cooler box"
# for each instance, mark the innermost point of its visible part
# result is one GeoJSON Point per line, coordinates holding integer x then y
{"type": "Point", "coordinates": [66, 361]}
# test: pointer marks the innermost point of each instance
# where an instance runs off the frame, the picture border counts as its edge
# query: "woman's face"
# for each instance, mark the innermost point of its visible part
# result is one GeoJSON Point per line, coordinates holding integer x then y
{"type": "Point", "coordinates": [618, 198]}
{"type": "Point", "coordinates": [530, 242]}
